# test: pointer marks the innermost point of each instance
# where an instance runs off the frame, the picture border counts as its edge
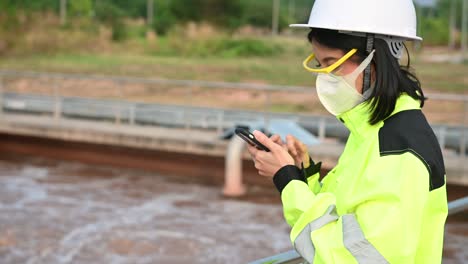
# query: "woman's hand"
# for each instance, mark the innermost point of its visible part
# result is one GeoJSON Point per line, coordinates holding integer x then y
{"type": "Point", "coordinates": [268, 163]}
{"type": "Point", "coordinates": [298, 151]}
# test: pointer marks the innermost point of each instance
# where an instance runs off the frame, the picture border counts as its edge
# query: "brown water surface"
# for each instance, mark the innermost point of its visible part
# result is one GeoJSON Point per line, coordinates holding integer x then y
{"type": "Point", "coordinates": [55, 211]}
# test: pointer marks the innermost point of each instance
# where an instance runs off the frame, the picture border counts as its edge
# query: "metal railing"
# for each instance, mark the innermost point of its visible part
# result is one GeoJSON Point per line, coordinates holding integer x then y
{"type": "Point", "coordinates": [185, 116]}
{"type": "Point", "coordinates": [60, 101]}
{"type": "Point", "coordinates": [292, 257]}
{"type": "Point", "coordinates": [66, 96]}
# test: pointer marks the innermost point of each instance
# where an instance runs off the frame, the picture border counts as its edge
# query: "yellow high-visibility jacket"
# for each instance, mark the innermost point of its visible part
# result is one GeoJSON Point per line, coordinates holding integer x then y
{"type": "Point", "coordinates": [384, 202]}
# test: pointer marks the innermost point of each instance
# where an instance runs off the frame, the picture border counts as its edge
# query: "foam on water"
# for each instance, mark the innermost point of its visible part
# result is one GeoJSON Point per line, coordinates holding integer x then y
{"type": "Point", "coordinates": [60, 212]}
{"type": "Point", "coordinates": [131, 217]}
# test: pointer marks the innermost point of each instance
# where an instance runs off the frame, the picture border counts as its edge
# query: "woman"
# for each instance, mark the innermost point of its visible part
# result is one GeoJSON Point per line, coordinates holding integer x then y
{"type": "Point", "coordinates": [385, 201]}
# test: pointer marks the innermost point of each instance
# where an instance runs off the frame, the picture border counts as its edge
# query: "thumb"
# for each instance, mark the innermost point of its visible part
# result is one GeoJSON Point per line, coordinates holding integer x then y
{"type": "Point", "coordinates": [262, 138]}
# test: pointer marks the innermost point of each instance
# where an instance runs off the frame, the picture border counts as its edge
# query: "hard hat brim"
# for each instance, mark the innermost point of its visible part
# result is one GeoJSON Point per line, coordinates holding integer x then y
{"type": "Point", "coordinates": [350, 30]}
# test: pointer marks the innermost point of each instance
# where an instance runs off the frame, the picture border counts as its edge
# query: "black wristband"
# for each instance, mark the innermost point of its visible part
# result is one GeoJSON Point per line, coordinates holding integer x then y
{"type": "Point", "coordinates": [285, 175]}
{"type": "Point", "coordinates": [312, 169]}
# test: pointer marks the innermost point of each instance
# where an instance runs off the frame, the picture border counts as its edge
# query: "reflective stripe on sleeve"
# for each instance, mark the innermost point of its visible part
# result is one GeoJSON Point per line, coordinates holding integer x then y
{"type": "Point", "coordinates": [353, 239]}
{"type": "Point", "coordinates": [357, 244]}
{"type": "Point", "coordinates": [303, 243]}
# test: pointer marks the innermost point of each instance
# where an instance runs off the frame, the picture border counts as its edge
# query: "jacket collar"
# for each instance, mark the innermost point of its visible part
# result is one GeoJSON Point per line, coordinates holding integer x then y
{"type": "Point", "coordinates": [357, 119]}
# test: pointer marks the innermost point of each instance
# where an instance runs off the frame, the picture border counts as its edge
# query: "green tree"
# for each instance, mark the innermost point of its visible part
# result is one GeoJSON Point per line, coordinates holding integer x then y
{"type": "Point", "coordinates": [443, 10]}
{"type": "Point", "coordinates": [80, 8]}
{"type": "Point", "coordinates": [133, 8]}
{"type": "Point", "coordinates": [227, 13]}
{"type": "Point", "coordinates": [163, 17]}
{"type": "Point", "coordinates": [259, 13]}
{"type": "Point", "coordinates": [224, 13]}
{"type": "Point", "coordinates": [108, 13]}
{"type": "Point", "coordinates": [182, 13]}
{"type": "Point", "coordinates": [11, 6]}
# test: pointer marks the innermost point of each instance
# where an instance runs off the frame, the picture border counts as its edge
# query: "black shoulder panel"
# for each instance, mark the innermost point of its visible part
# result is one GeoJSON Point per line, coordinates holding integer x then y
{"type": "Point", "coordinates": [409, 131]}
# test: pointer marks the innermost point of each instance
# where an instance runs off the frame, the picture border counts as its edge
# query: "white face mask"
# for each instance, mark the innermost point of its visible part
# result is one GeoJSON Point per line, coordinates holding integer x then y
{"type": "Point", "coordinates": [338, 94]}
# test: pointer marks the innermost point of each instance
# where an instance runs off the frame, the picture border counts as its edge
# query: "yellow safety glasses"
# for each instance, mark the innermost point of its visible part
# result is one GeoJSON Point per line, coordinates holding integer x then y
{"type": "Point", "coordinates": [330, 68]}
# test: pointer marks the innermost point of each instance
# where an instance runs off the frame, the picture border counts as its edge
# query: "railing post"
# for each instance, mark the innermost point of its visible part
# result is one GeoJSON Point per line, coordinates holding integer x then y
{"type": "Point", "coordinates": [266, 113]}
{"type": "Point", "coordinates": [220, 121]}
{"type": "Point", "coordinates": [118, 107]}
{"type": "Point", "coordinates": [1, 96]}
{"type": "Point", "coordinates": [187, 119]}
{"type": "Point", "coordinates": [464, 139]}
{"type": "Point", "coordinates": [57, 101]}
{"type": "Point", "coordinates": [322, 129]}
{"type": "Point", "coordinates": [441, 133]}
{"type": "Point", "coordinates": [132, 114]}
{"type": "Point", "coordinates": [187, 123]}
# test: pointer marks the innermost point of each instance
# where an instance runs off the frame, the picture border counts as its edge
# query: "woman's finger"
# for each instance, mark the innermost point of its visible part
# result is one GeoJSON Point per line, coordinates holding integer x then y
{"type": "Point", "coordinates": [262, 138]}
{"type": "Point", "coordinates": [300, 145]}
{"type": "Point", "coordinates": [258, 166]}
{"type": "Point", "coordinates": [277, 139]}
{"type": "Point", "coordinates": [291, 145]}
{"type": "Point", "coordinates": [252, 150]}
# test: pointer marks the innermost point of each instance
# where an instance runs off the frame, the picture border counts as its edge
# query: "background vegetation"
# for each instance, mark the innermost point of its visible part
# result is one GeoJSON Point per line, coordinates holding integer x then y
{"type": "Point", "coordinates": [229, 16]}
{"type": "Point", "coordinates": [190, 39]}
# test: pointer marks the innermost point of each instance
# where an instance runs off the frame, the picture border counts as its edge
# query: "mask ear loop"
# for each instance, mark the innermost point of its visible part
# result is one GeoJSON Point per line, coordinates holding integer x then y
{"type": "Point", "coordinates": [367, 72]}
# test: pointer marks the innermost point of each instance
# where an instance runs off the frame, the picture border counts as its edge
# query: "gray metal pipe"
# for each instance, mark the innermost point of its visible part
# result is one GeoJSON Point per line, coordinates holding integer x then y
{"type": "Point", "coordinates": [233, 186]}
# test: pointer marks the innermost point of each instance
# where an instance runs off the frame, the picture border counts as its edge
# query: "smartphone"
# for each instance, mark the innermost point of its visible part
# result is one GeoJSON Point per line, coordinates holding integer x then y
{"type": "Point", "coordinates": [250, 138]}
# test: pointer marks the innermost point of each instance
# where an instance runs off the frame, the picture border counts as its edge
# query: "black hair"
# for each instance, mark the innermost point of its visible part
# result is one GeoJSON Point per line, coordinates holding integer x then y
{"type": "Point", "coordinates": [392, 79]}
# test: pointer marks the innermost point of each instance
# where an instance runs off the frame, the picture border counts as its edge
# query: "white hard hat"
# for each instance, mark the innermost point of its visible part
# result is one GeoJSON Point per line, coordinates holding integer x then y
{"type": "Point", "coordinates": [387, 18]}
